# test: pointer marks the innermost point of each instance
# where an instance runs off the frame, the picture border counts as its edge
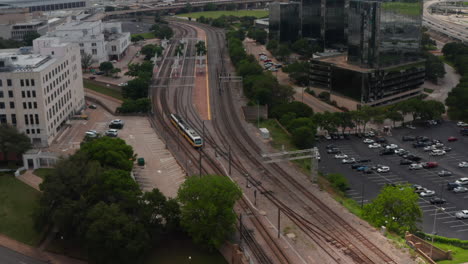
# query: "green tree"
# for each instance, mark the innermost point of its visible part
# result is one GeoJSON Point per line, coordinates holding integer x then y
{"type": "Point", "coordinates": [338, 181]}
{"type": "Point", "coordinates": [110, 152]}
{"type": "Point", "coordinates": [396, 207]}
{"type": "Point", "coordinates": [299, 72]}
{"type": "Point", "coordinates": [140, 105]}
{"type": "Point", "coordinates": [258, 35]}
{"type": "Point", "coordinates": [231, 7]}
{"type": "Point", "coordinates": [137, 38]}
{"type": "Point", "coordinates": [151, 50]}
{"type": "Point", "coordinates": [106, 67]}
{"type": "Point", "coordinates": [187, 8]}
{"type": "Point", "coordinates": [283, 52]}
{"type": "Point", "coordinates": [303, 137]}
{"type": "Point", "coordinates": [272, 45]}
{"type": "Point", "coordinates": [209, 7]}
{"type": "Point", "coordinates": [207, 208]}
{"type": "Point", "coordinates": [162, 31]}
{"type": "Point", "coordinates": [115, 72]}
{"type": "Point", "coordinates": [12, 141]}
{"type": "Point", "coordinates": [114, 237]}
{"type": "Point", "coordinates": [394, 115]}
{"type": "Point", "coordinates": [142, 70]}
{"type": "Point", "coordinates": [86, 61]}
{"type": "Point", "coordinates": [201, 48]}
{"type": "Point", "coordinates": [434, 68]}
{"type": "Point", "coordinates": [30, 37]}
{"type": "Point", "coordinates": [136, 88]}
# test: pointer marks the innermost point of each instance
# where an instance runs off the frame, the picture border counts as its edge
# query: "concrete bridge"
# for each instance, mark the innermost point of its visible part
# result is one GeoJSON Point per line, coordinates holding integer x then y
{"type": "Point", "coordinates": [244, 4]}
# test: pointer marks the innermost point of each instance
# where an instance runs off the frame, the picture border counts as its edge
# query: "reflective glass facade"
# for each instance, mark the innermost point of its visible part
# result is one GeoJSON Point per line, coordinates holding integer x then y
{"type": "Point", "coordinates": [334, 30]}
{"type": "Point", "coordinates": [385, 33]}
{"type": "Point", "coordinates": [312, 19]}
{"type": "Point", "coordinates": [285, 21]}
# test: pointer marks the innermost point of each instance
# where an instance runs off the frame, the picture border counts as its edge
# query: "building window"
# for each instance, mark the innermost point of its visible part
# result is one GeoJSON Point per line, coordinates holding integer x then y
{"type": "Point", "coordinates": [3, 119]}
{"type": "Point", "coordinates": [22, 82]}
{"type": "Point", "coordinates": [23, 94]}
{"type": "Point", "coordinates": [12, 105]}
{"type": "Point", "coordinates": [2, 105]}
{"type": "Point", "coordinates": [114, 48]}
{"type": "Point", "coordinates": [13, 119]}
{"type": "Point", "coordinates": [81, 44]}
{"type": "Point", "coordinates": [29, 105]}
{"type": "Point", "coordinates": [38, 131]}
{"type": "Point", "coordinates": [93, 44]}
{"type": "Point", "coordinates": [33, 131]}
{"type": "Point", "coordinates": [35, 105]}
{"type": "Point", "coordinates": [34, 94]}
{"type": "Point", "coordinates": [27, 82]}
{"type": "Point", "coordinates": [1, 83]}
{"type": "Point", "coordinates": [27, 131]}
{"type": "Point", "coordinates": [28, 93]}
{"type": "Point", "coordinates": [26, 120]}
{"type": "Point", "coordinates": [25, 106]}
{"type": "Point", "coordinates": [9, 82]}
{"type": "Point", "coordinates": [94, 51]}
{"type": "Point", "coordinates": [10, 94]}
{"type": "Point", "coordinates": [36, 117]}
{"type": "Point", "coordinates": [1, 94]}
{"type": "Point", "coordinates": [31, 119]}
{"type": "Point", "coordinates": [33, 83]}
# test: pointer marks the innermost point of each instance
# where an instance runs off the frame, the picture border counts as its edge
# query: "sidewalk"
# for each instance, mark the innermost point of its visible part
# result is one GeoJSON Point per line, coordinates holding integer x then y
{"type": "Point", "coordinates": [30, 179]}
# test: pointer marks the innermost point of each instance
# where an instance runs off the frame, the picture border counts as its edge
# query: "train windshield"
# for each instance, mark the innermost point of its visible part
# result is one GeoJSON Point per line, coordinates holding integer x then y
{"type": "Point", "coordinates": [198, 141]}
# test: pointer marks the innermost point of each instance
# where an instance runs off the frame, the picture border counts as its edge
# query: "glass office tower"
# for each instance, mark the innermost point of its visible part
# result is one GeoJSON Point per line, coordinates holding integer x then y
{"type": "Point", "coordinates": [285, 21]}
{"type": "Point", "coordinates": [312, 19]}
{"type": "Point", "coordinates": [384, 33]}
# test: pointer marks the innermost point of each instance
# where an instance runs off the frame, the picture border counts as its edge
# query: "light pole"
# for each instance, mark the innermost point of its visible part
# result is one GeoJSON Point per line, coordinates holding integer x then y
{"type": "Point", "coordinates": [434, 229]}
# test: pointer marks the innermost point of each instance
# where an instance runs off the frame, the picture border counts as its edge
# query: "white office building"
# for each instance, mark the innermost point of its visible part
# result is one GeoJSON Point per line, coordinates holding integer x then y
{"type": "Point", "coordinates": [40, 88]}
{"type": "Point", "coordinates": [104, 41]}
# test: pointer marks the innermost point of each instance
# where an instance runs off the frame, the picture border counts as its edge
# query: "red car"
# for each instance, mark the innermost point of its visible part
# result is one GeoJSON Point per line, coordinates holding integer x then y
{"type": "Point", "coordinates": [452, 139]}
{"type": "Point", "coordinates": [430, 164]}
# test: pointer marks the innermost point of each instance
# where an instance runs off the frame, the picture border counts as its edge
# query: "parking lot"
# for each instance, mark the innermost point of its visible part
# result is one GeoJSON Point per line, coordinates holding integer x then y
{"type": "Point", "coordinates": [365, 187]}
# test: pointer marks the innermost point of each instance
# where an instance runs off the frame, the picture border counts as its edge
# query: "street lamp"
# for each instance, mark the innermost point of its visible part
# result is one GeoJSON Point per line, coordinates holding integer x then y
{"type": "Point", "coordinates": [434, 228]}
{"type": "Point", "coordinates": [189, 259]}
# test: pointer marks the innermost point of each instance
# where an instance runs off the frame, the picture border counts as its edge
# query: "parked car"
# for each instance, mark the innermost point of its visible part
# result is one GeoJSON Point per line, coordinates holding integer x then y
{"type": "Point", "coordinates": [380, 140]}
{"type": "Point", "coordinates": [112, 133]}
{"type": "Point", "coordinates": [444, 173]}
{"type": "Point", "coordinates": [437, 200]}
{"type": "Point", "coordinates": [462, 181]}
{"type": "Point", "coordinates": [463, 214]}
{"type": "Point", "coordinates": [392, 146]}
{"type": "Point", "coordinates": [356, 165]}
{"type": "Point", "coordinates": [386, 152]}
{"type": "Point", "coordinates": [452, 139]}
{"type": "Point", "coordinates": [463, 164]}
{"type": "Point", "coordinates": [427, 193]}
{"type": "Point", "coordinates": [462, 124]}
{"type": "Point", "coordinates": [452, 185]}
{"type": "Point", "coordinates": [422, 138]}
{"type": "Point", "coordinates": [368, 141]}
{"type": "Point", "coordinates": [383, 169]}
{"type": "Point", "coordinates": [99, 73]}
{"type": "Point", "coordinates": [375, 145]}
{"type": "Point", "coordinates": [367, 170]}
{"type": "Point", "coordinates": [416, 166]}
{"type": "Point", "coordinates": [437, 152]}
{"type": "Point", "coordinates": [413, 158]}
{"type": "Point", "coordinates": [92, 77]}
{"type": "Point", "coordinates": [362, 168]}
{"type": "Point", "coordinates": [446, 149]}
{"type": "Point", "coordinates": [348, 161]}
{"type": "Point", "coordinates": [117, 124]}
{"type": "Point", "coordinates": [398, 151]}
{"type": "Point", "coordinates": [419, 189]}
{"type": "Point", "coordinates": [341, 156]}
{"type": "Point", "coordinates": [333, 151]}
{"type": "Point", "coordinates": [123, 84]}
{"type": "Point", "coordinates": [92, 106]}
{"type": "Point", "coordinates": [405, 162]}
{"type": "Point", "coordinates": [430, 165]}
{"type": "Point", "coordinates": [460, 189]}
{"type": "Point", "coordinates": [363, 160]}
{"type": "Point", "coordinates": [91, 134]}
{"type": "Point", "coordinates": [408, 138]}
{"type": "Point", "coordinates": [331, 146]}
{"type": "Point", "coordinates": [401, 153]}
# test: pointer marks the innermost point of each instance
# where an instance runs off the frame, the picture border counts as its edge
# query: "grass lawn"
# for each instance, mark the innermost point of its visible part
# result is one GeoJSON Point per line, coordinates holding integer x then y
{"type": "Point", "coordinates": [216, 14]}
{"type": "Point", "coordinates": [147, 35]}
{"type": "Point", "coordinates": [409, 9]}
{"type": "Point", "coordinates": [102, 89]}
{"type": "Point", "coordinates": [427, 90]}
{"type": "Point", "coordinates": [459, 255]}
{"type": "Point", "coordinates": [43, 172]}
{"type": "Point", "coordinates": [17, 202]}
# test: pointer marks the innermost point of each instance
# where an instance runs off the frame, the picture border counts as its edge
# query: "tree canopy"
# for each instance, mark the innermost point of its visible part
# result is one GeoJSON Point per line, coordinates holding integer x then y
{"type": "Point", "coordinates": [12, 141]}
{"type": "Point", "coordinates": [207, 208]}
{"type": "Point", "coordinates": [396, 207]}
{"type": "Point", "coordinates": [106, 67]}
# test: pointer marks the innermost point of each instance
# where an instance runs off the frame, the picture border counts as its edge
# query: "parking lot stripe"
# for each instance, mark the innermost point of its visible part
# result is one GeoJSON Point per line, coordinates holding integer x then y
{"type": "Point", "coordinates": [459, 225]}
{"type": "Point", "coordinates": [454, 221]}
{"type": "Point", "coordinates": [462, 230]}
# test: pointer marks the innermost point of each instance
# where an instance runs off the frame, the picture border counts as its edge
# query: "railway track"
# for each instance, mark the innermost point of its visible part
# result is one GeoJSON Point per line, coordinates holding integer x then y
{"type": "Point", "coordinates": [181, 102]}
{"type": "Point", "coordinates": [329, 227]}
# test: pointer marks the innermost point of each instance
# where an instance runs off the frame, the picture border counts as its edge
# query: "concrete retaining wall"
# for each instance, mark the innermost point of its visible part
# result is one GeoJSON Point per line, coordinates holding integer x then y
{"type": "Point", "coordinates": [430, 252]}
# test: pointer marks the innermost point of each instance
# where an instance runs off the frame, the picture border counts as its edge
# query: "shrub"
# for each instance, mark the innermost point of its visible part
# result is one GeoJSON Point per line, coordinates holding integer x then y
{"type": "Point", "coordinates": [338, 181]}
{"type": "Point", "coordinates": [324, 96]}
{"type": "Point", "coordinates": [303, 137]}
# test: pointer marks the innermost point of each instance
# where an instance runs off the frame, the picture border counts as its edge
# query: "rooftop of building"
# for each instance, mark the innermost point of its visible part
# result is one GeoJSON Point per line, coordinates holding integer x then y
{"type": "Point", "coordinates": [14, 60]}
{"type": "Point", "coordinates": [79, 25]}
{"type": "Point", "coordinates": [340, 60]}
{"type": "Point", "coordinates": [31, 23]}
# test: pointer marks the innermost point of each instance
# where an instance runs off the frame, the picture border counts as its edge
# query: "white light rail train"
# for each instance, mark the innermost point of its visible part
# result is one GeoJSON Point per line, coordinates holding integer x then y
{"type": "Point", "coordinates": [189, 133]}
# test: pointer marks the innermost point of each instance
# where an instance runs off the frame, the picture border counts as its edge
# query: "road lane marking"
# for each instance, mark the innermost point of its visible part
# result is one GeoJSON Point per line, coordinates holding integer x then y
{"type": "Point", "coordinates": [207, 83]}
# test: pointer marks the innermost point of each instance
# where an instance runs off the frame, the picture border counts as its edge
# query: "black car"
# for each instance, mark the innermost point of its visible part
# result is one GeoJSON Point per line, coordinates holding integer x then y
{"type": "Point", "coordinates": [402, 153]}
{"type": "Point", "coordinates": [406, 162]}
{"type": "Point", "coordinates": [414, 158]}
{"type": "Point", "coordinates": [355, 166]}
{"type": "Point", "coordinates": [437, 200]}
{"type": "Point", "coordinates": [387, 152]}
{"type": "Point", "coordinates": [380, 140]}
{"type": "Point", "coordinates": [452, 185]}
{"type": "Point", "coordinates": [408, 138]}
{"type": "Point", "coordinates": [333, 151]}
{"type": "Point", "coordinates": [419, 144]}
{"type": "Point", "coordinates": [446, 149]}
{"type": "Point", "coordinates": [422, 138]}
{"type": "Point", "coordinates": [331, 146]}
{"type": "Point", "coordinates": [99, 73]}
{"type": "Point", "coordinates": [364, 160]}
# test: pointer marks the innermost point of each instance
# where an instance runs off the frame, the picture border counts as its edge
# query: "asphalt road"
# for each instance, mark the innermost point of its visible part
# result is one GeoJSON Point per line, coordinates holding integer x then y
{"type": "Point", "coordinates": [365, 187]}
{"type": "Point", "coordinates": [8, 256]}
{"type": "Point", "coordinates": [135, 27]}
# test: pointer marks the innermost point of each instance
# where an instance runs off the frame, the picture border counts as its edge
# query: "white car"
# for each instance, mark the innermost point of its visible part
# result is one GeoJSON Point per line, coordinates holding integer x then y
{"type": "Point", "coordinates": [383, 169]}
{"type": "Point", "coordinates": [460, 189]}
{"type": "Point", "coordinates": [369, 134]}
{"type": "Point", "coordinates": [437, 152]}
{"type": "Point", "coordinates": [398, 151]}
{"type": "Point", "coordinates": [392, 146]}
{"type": "Point", "coordinates": [415, 166]}
{"type": "Point", "coordinates": [112, 133]}
{"type": "Point", "coordinates": [461, 124]}
{"type": "Point", "coordinates": [427, 193]}
{"type": "Point", "coordinates": [463, 214]}
{"type": "Point", "coordinates": [123, 84]}
{"type": "Point", "coordinates": [463, 164]}
{"type": "Point", "coordinates": [375, 145]}
{"type": "Point", "coordinates": [462, 181]}
{"type": "Point", "coordinates": [348, 161]}
{"type": "Point", "coordinates": [90, 134]}
{"type": "Point", "coordinates": [341, 156]}
{"type": "Point", "coordinates": [428, 148]}
{"type": "Point", "coordinates": [368, 141]}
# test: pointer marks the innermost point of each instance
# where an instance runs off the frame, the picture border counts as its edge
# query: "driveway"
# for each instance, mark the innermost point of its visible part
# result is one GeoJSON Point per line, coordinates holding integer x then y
{"type": "Point", "coordinates": [445, 85]}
